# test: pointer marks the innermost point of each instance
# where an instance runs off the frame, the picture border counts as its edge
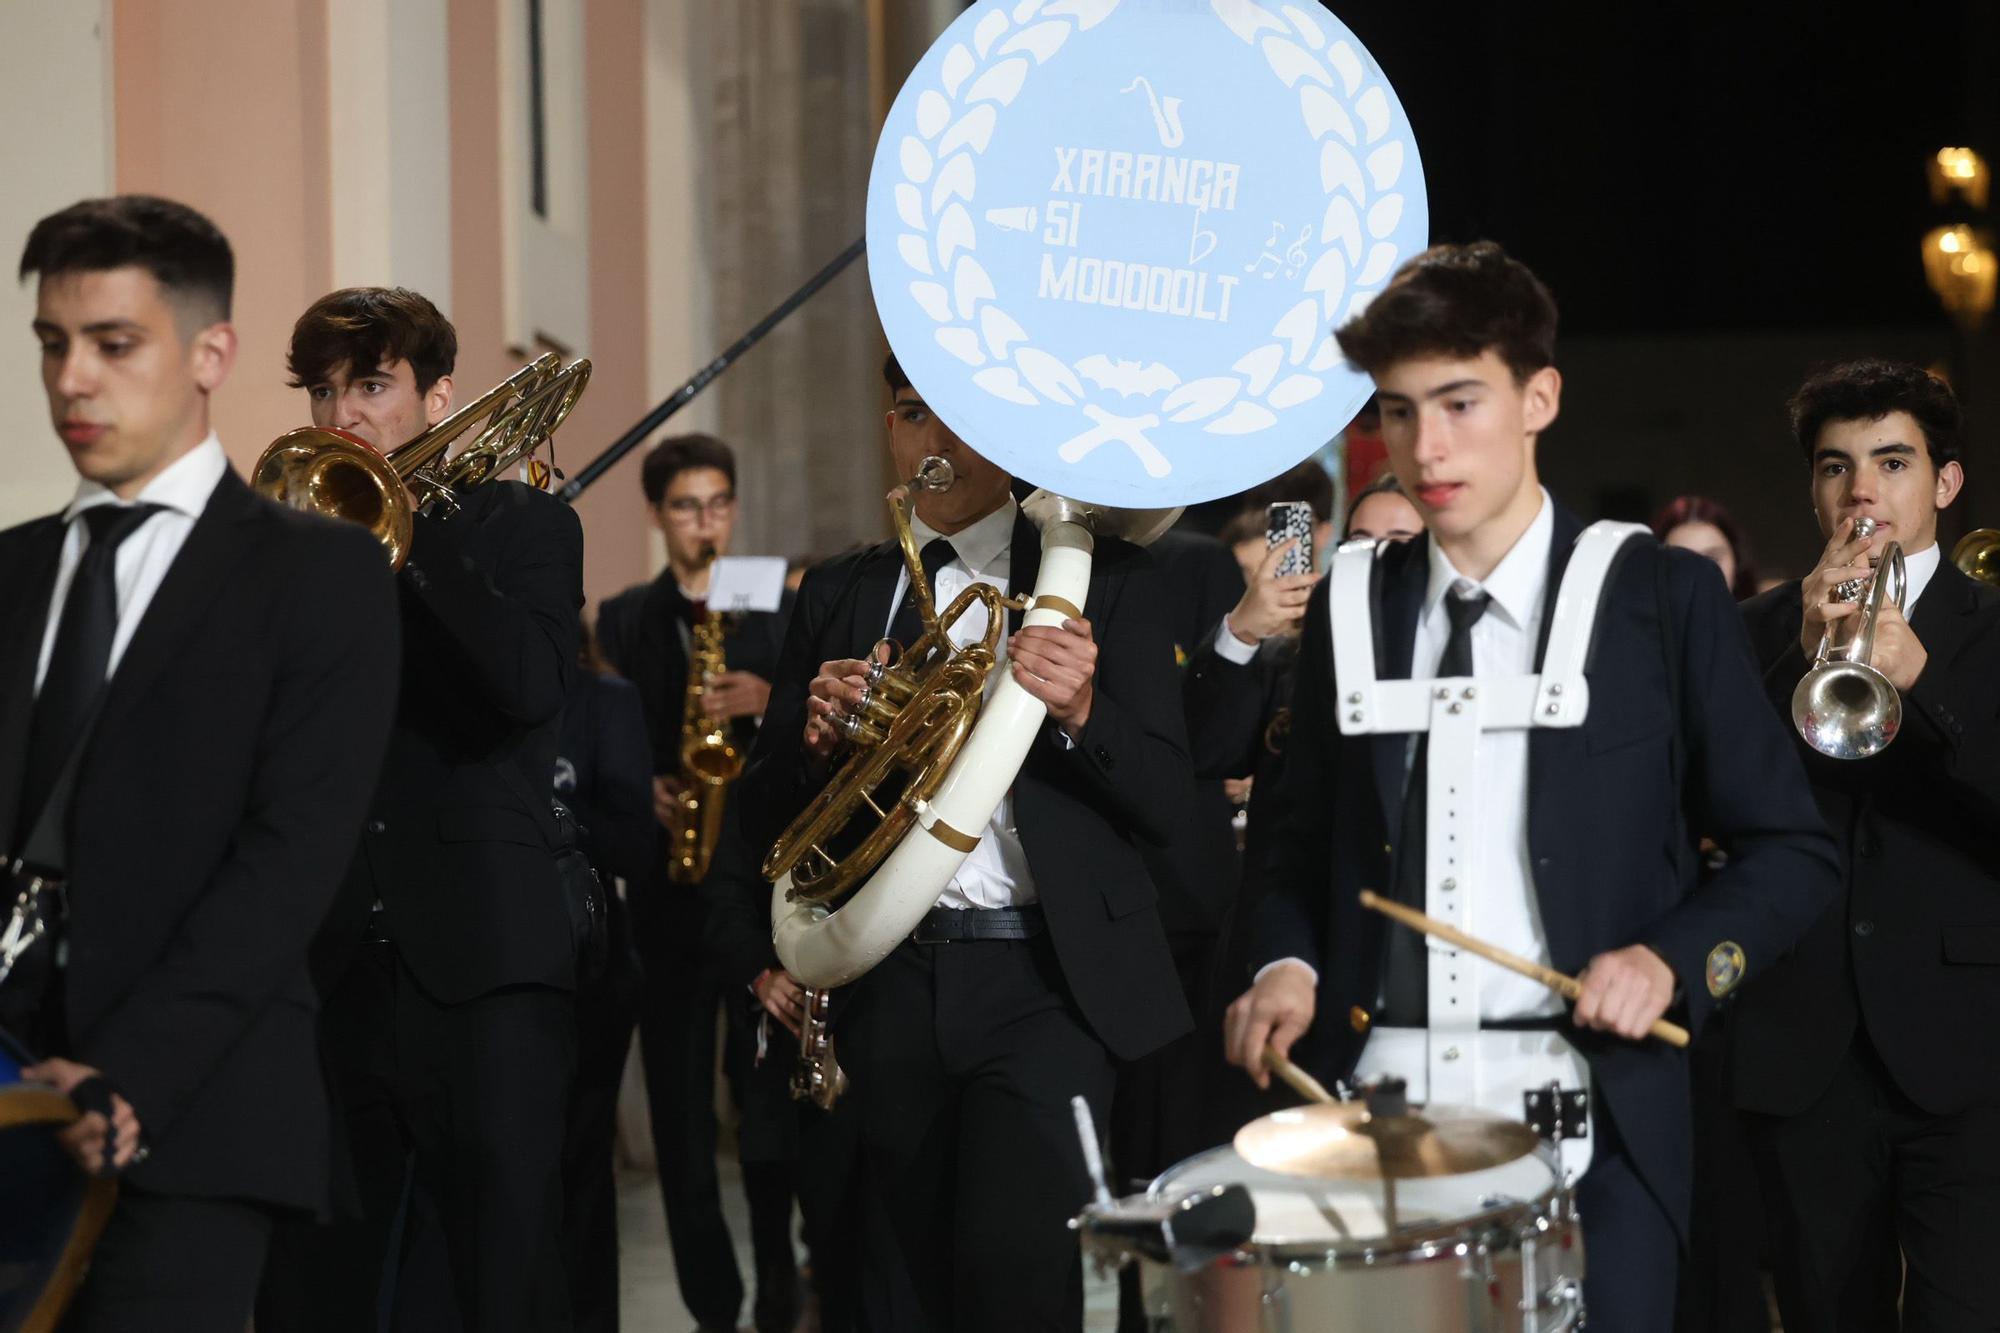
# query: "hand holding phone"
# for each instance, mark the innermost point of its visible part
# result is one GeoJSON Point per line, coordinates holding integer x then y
{"type": "Point", "coordinates": [1291, 520]}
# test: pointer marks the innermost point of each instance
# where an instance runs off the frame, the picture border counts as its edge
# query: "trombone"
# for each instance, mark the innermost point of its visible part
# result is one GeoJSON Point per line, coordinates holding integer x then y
{"type": "Point", "coordinates": [333, 472]}
{"type": "Point", "coordinates": [1844, 707]}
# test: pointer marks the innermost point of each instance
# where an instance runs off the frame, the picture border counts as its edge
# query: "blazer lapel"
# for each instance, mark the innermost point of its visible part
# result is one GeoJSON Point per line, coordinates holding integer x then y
{"type": "Point", "coordinates": [874, 590]}
{"type": "Point", "coordinates": [1398, 578]}
{"type": "Point", "coordinates": [1024, 565]}
{"type": "Point", "coordinates": [1944, 614]}
{"type": "Point", "coordinates": [211, 554]}
{"type": "Point", "coordinates": [23, 623]}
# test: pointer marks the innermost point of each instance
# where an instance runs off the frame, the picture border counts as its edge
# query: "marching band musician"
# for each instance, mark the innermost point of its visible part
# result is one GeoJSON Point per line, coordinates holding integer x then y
{"type": "Point", "coordinates": [690, 487]}
{"type": "Point", "coordinates": [1579, 844]}
{"type": "Point", "coordinates": [1044, 959]}
{"type": "Point", "coordinates": [1865, 1059]}
{"type": "Point", "coordinates": [230, 665]}
{"type": "Point", "coordinates": [449, 960]}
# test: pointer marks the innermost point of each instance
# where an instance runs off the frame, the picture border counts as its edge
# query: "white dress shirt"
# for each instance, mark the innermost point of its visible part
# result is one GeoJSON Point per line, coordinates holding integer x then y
{"type": "Point", "coordinates": [1917, 570]}
{"type": "Point", "coordinates": [1503, 909]}
{"type": "Point", "coordinates": [182, 490]}
{"type": "Point", "coordinates": [994, 873]}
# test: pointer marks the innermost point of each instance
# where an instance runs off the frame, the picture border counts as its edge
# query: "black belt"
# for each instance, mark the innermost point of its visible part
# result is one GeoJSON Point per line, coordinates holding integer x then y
{"type": "Point", "coordinates": [950, 925]}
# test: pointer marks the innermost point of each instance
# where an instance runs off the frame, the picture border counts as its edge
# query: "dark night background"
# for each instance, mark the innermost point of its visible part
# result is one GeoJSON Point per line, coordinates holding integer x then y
{"type": "Point", "coordinates": [1721, 197]}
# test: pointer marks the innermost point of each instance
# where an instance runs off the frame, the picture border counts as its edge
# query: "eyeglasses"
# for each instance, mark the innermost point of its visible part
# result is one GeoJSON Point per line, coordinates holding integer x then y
{"type": "Point", "coordinates": [687, 509]}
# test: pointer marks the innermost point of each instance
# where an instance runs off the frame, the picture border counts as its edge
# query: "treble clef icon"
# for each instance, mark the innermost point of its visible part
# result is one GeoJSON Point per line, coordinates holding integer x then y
{"type": "Point", "coordinates": [1166, 113]}
{"type": "Point", "coordinates": [1295, 253]}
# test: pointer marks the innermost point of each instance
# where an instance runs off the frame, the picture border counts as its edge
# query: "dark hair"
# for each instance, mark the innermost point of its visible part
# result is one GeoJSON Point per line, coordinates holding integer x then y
{"type": "Point", "coordinates": [1306, 481]}
{"type": "Point", "coordinates": [1870, 390]}
{"type": "Point", "coordinates": [1687, 509]}
{"type": "Point", "coordinates": [682, 453]}
{"type": "Point", "coordinates": [367, 328]}
{"type": "Point", "coordinates": [186, 253]}
{"type": "Point", "coordinates": [892, 373]}
{"type": "Point", "coordinates": [1456, 301]}
{"type": "Point", "coordinates": [1386, 484]}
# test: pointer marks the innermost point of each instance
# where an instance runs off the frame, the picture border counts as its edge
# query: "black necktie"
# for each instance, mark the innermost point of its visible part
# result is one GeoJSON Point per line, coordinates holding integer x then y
{"type": "Point", "coordinates": [908, 626]}
{"type": "Point", "coordinates": [82, 650]}
{"type": "Point", "coordinates": [1406, 982]}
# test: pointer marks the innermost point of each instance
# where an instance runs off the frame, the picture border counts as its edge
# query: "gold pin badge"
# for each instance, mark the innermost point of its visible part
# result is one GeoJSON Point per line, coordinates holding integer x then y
{"type": "Point", "coordinates": [1358, 1018]}
{"type": "Point", "coordinates": [1725, 968]}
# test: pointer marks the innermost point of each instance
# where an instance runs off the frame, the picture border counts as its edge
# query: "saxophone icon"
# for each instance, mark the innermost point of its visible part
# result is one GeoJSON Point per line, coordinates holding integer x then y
{"type": "Point", "coordinates": [1166, 112]}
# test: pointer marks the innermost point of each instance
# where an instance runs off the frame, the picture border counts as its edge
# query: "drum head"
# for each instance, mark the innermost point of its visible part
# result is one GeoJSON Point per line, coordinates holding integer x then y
{"type": "Point", "coordinates": [53, 1212]}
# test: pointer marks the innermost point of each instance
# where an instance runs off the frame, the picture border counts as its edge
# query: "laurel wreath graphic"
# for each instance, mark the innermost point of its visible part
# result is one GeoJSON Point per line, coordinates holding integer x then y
{"type": "Point", "coordinates": [1345, 111]}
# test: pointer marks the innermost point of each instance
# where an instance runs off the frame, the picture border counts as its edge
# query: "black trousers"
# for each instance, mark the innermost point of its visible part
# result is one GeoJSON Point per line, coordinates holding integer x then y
{"type": "Point", "coordinates": [1864, 1175]}
{"type": "Point", "coordinates": [1722, 1279]}
{"type": "Point", "coordinates": [1630, 1249]}
{"type": "Point", "coordinates": [1159, 1112]}
{"type": "Point", "coordinates": [467, 1102]}
{"type": "Point", "coordinates": [831, 1207]}
{"type": "Point", "coordinates": [964, 1058]}
{"type": "Point", "coordinates": [677, 1042]}
{"type": "Point", "coordinates": [607, 1010]}
{"type": "Point", "coordinates": [166, 1261]}
{"type": "Point", "coordinates": [767, 1150]}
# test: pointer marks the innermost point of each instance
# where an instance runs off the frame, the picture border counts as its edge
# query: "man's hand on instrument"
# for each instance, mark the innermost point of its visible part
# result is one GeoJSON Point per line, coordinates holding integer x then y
{"type": "Point", "coordinates": [666, 798]}
{"type": "Point", "coordinates": [1625, 991]}
{"type": "Point", "coordinates": [736, 694]}
{"type": "Point", "coordinates": [1271, 605]}
{"type": "Point", "coordinates": [782, 997]}
{"type": "Point", "coordinates": [1899, 654]}
{"type": "Point", "coordinates": [835, 693]}
{"type": "Point", "coordinates": [1057, 665]}
{"type": "Point", "coordinates": [1276, 1010]}
{"type": "Point", "coordinates": [1843, 559]}
{"type": "Point", "coordinates": [85, 1140]}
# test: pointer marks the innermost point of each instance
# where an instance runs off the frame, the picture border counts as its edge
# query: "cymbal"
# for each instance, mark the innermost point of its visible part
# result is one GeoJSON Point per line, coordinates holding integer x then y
{"type": "Point", "coordinates": [1341, 1141]}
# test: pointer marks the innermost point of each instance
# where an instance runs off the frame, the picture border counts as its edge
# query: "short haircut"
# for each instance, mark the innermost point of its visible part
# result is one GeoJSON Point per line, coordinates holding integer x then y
{"type": "Point", "coordinates": [1870, 390]}
{"type": "Point", "coordinates": [892, 373]}
{"type": "Point", "coordinates": [1386, 484]}
{"type": "Point", "coordinates": [1306, 481]}
{"type": "Point", "coordinates": [1456, 301]}
{"type": "Point", "coordinates": [368, 328]}
{"type": "Point", "coordinates": [683, 453]}
{"type": "Point", "coordinates": [186, 253]}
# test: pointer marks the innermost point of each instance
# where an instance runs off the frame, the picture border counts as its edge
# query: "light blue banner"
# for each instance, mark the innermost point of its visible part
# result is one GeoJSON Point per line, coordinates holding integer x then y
{"type": "Point", "coordinates": [1109, 239]}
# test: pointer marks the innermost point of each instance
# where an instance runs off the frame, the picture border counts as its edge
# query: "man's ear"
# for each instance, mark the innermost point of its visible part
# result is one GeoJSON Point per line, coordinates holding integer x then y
{"type": "Point", "coordinates": [1950, 481]}
{"type": "Point", "coordinates": [211, 354]}
{"type": "Point", "coordinates": [437, 401]}
{"type": "Point", "coordinates": [1541, 398]}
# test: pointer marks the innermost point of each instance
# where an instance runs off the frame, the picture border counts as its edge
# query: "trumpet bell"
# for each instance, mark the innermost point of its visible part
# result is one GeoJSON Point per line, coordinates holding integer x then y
{"type": "Point", "coordinates": [1977, 554]}
{"type": "Point", "coordinates": [338, 474]}
{"type": "Point", "coordinates": [1847, 710]}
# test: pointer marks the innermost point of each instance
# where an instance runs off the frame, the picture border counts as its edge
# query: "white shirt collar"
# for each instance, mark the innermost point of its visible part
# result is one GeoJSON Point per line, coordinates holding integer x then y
{"type": "Point", "coordinates": [979, 545]}
{"type": "Point", "coordinates": [1516, 583]}
{"type": "Point", "coordinates": [184, 485]}
{"type": "Point", "coordinates": [1917, 571]}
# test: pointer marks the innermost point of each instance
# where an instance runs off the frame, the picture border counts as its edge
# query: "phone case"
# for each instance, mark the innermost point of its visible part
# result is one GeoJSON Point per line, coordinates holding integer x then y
{"type": "Point", "coordinates": [1287, 520]}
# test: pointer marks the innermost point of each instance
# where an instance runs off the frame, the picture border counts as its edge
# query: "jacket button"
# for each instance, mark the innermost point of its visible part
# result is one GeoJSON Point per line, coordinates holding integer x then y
{"type": "Point", "coordinates": [1541, 863]}
{"type": "Point", "coordinates": [418, 581]}
{"type": "Point", "coordinates": [1864, 928]}
{"type": "Point", "coordinates": [1103, 756]}
{"type": "Point", "coordinates": [376, 826]}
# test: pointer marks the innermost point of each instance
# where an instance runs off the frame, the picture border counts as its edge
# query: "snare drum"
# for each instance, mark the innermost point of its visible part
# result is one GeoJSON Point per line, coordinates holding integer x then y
{"type": "Point", "coordinates": [1465, 1251]}
{"type": "Point", "coordinates": [50, 1212]}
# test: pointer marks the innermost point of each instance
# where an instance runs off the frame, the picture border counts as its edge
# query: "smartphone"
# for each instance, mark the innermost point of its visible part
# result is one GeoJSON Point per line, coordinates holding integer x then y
{"type": "Point", "coordinates": [1286, 521]}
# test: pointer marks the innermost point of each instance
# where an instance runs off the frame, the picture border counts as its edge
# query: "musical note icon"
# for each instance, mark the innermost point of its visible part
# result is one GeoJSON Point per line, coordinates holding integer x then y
{"type": "Point", "coordinates": [1276, 261]}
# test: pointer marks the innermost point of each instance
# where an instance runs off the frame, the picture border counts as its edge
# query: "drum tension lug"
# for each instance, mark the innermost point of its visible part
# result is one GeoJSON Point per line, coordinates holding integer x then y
{"type": "Point", "coordinates": [1556, 1112]}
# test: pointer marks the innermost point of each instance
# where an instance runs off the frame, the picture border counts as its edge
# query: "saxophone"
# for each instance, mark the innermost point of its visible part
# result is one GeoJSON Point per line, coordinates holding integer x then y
{"type": "Point", "coordinates": [710, 761]}
{"type": "Point", "coordinates": [819, 1079]}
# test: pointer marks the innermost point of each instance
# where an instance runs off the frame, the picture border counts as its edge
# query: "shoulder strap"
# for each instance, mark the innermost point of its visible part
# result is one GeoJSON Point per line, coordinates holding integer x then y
{"type": "Point", "coordinates": [1564, 695]}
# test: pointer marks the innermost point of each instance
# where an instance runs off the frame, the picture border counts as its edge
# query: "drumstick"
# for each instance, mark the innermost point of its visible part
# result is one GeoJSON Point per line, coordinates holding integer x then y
{"type": "Point", "coordinates": [1566, 986]}
{"type": "Point", "coordinates": [1301, 1082]}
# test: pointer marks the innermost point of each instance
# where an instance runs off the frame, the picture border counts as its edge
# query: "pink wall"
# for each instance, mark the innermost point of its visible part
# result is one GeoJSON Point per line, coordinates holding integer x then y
{"type": "Point", "coordinates": [614, 519]}
{"type": "Point", "coordinates": [222, 104]}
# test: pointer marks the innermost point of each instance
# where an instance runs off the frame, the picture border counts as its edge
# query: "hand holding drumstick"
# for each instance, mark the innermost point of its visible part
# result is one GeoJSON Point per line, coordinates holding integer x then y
{"type": "Point", "coordinates": [1624, 991]}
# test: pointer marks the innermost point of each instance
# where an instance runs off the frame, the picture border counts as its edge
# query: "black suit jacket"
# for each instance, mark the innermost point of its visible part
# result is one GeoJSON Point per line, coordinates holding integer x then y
{"type": "Point", "coordinates": [1613, 859]}
{"type": "Point", "coordinates": [604, 774]}
{"type": "Point", "coordinates": [1197, 873]}
{"type": "Point", "coordinates": [1082, 811]}
{"type": "Point", "coordinates": [218, 800]}
{"type": "Point", "coordinates": [618, 628]}
{"type": "Point", "coordinates": [458, 844]}
{"type": "Point", "coordinates": [751, 641]}
{"type": "Point", "coordinates": [1910, 952]}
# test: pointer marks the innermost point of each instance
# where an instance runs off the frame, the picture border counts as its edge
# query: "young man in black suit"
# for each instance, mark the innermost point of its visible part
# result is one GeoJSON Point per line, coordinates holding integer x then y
{"type": "Point", "coordinates": [1865, 1059]}
{"type": "Point", "coordinates": [449, 961]}
{"type": "Point", "coordinates": [1044, 959]}
{"type": "Point", "coordinates": [1577, 843]}
{"type": "Point", "coordinates": [239, 662]}
{"type": "Point", "coordinates": [690, 485]}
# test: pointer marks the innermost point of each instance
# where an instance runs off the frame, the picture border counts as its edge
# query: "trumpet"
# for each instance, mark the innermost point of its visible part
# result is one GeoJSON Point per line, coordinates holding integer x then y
{"type": "Point", "coordinates": [341, 475]}
{"type": "Point", "coordinates": [710, 761]}
{"type": "Point", "coordinates": [1844, 707]}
